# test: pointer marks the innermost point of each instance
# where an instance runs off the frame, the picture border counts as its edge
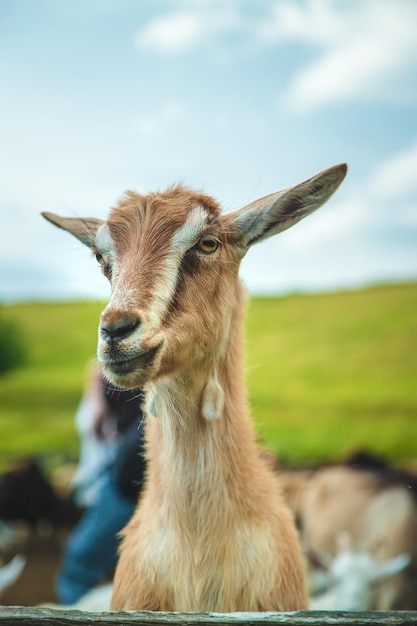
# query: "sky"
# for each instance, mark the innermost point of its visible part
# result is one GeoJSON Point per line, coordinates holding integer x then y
{"type": "Point", "coordinates": [236, 98]}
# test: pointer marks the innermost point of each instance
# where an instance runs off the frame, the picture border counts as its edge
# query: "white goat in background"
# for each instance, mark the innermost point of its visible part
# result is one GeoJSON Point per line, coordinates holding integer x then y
{"type": "Point", "coordinates": [350, 577]}
{"type": "Point", "coordinates": [96, 600]}
{"type": "Point", "coordinates": [10, 573]}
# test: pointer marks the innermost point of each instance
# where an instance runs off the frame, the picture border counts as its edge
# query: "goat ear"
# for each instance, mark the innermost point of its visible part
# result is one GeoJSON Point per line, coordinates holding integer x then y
{"type": "Point", "coordinates": [277, 212]}
{"type": "Point", "coordinates": [84, 228]}
{"type": "Point", "coordinates": [392, 567]}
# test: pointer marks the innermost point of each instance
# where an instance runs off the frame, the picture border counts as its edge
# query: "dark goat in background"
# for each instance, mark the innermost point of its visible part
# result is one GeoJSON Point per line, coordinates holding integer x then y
{"type": "Point", "coordinates": [27, 495]}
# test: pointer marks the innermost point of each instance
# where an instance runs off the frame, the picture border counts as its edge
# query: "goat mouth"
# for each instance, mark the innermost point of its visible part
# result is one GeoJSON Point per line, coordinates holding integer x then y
{"type": "Point", "coordinates": [123, 367]}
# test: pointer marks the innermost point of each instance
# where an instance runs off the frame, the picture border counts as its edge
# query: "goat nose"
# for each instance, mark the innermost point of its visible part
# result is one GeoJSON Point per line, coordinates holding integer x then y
{"type": "Point", "coordinates": [114, 332]}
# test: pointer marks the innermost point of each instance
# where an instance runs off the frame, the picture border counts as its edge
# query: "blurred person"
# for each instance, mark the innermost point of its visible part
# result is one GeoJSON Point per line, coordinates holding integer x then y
{"type": "Point", "coordinates": [107, 482]}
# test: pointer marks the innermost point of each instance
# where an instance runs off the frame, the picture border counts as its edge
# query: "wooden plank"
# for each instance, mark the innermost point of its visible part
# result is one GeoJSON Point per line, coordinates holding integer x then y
{"type": "Point", "coordinates": [28, 616]}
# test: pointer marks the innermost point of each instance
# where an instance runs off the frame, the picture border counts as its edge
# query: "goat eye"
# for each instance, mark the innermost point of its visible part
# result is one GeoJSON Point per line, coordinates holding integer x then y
{"type": "Point", "coordinates": [105, 266]}
{"type": "Point", "coordinates": [207, 245]}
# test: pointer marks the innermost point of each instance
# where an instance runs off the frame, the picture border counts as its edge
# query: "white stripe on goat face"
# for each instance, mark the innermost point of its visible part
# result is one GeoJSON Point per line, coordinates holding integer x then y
{"type": "Point", "coordinates": [183, 239]}
{"type": "Point", "coordinates": [122, 298]}
{"type": "Point", "coordinates": [104, 244]}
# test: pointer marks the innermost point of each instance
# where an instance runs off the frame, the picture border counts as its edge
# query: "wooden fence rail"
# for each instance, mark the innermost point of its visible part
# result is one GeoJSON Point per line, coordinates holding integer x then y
{"type": "Point", "coordinates": [25, 616]}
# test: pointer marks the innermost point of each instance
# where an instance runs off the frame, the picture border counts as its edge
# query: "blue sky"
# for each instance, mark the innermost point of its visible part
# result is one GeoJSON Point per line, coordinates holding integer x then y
{"type": "Point", "coordinates": [235, 97]}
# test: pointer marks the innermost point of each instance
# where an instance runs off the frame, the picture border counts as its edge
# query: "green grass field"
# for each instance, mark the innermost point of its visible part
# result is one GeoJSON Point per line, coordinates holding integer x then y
{"type": "Point", "coordinates": [326, 374]}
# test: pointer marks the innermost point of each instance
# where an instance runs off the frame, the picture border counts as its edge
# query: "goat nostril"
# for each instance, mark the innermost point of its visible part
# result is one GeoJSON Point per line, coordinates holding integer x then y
{"type": "Point", "coordinates": [119, 330]}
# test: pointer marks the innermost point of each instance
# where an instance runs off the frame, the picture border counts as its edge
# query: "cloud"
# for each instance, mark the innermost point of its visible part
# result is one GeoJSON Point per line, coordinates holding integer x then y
{"type": "Point", "coordinates": [356, 50]}
{"type": "Point", "coordinates": [171, 33]}
{"type": "Point", "coordinates": [181, 31]}
{"type": "Point", "coordinates": [364, 50]}
{"type": "Point", "coordinates": [313, 22]}
{"type": "Point", "coordinates": [396, 178]}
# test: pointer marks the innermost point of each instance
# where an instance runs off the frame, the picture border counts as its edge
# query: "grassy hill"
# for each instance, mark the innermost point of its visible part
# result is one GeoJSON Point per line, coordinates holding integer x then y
{"type": "Point", "coordinates": [326, 374]}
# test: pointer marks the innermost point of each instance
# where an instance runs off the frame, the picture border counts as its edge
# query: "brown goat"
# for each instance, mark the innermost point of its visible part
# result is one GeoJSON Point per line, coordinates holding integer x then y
{"type": "Point", "coordinates": [211, 532]}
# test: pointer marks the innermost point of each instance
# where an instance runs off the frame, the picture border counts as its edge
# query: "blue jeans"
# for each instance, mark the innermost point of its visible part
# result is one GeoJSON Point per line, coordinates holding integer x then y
{"type": "Point", "coordinates": [90, 553]}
